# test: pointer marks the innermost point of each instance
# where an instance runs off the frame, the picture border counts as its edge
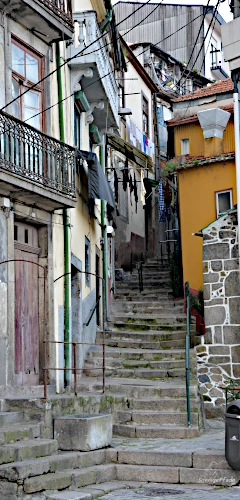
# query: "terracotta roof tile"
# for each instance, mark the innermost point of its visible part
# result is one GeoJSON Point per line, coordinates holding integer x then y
{"type": "Point", "coordinates": [180, 120]}
{"type": "Point", "coordinates": [214, 88]}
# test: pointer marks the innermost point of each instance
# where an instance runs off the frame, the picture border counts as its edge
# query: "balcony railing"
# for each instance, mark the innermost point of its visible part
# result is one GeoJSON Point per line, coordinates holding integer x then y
{"type": "Point", "coordinates": [62, 8]}
{"type": "Point", "coordinates": [37, 157]}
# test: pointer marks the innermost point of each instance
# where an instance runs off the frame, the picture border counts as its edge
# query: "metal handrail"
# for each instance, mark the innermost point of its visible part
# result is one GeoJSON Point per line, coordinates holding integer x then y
{"type": "Point", "coordinates": [93, 311]}
{"type": "Point", "coordinates": [187, 356]}
{"type": "Point", "coordinates": [140, 276]}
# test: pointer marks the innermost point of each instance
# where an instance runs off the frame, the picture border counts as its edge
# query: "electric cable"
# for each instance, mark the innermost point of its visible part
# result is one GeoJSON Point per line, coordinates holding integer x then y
{"type": "Point", "coordinates": [110, 72]}
{"type": "Point", "coordinates": [73, 57]}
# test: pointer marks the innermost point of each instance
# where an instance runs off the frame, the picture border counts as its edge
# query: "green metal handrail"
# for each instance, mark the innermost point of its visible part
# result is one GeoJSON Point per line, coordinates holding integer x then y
{"type": "Point", "coordinates": [187, 359]}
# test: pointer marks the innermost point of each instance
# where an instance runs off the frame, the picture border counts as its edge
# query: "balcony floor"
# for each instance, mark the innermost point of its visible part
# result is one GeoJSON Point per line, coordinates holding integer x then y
{"type": "Point", "coordinates": [33, 193]}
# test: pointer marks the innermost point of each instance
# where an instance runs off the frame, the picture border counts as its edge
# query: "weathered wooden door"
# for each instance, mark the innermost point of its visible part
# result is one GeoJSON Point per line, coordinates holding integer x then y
{"type": "Point", "coordinates": [26, 305]}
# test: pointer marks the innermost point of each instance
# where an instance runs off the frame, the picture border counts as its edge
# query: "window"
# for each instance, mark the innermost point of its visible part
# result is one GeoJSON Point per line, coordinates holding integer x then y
{"type": "Point", "coordinates": [223, 201]}
{"type": "Point", "coordinates": [185, 147]}
{"type": "Point", "coordinates": [87, 261]}
{"type": "Point", "coordinates": [77, 127]}
{"type": "Point", "coordinates": [145, 115]}
{"type": "Point", "coordinates": [26, 71]}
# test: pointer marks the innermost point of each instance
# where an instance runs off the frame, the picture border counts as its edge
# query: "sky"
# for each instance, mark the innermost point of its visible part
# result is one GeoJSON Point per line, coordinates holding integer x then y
{"type": "Point", "coordinates": [223, 9]}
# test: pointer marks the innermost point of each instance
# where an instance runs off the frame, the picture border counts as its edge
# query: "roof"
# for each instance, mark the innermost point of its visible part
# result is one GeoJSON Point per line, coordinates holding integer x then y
{"type": "Point", "coordinates": [234, 209]}
{"type": "Point", "coordinates": [181, 120]}
{"type": "Point", "coordinates": [220, 87]}
{"type": "Point", "coordinates": [190, 161]}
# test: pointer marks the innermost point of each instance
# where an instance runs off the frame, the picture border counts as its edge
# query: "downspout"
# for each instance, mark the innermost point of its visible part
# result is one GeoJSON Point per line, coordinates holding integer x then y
{"type": "Point", "coordinates": [236, 78]}
{"type": "Point", "coordinates": [66, 224]}
{"type": "Point", "coordinates": [104, 262]}
{"type": "Point", "coordinates": [107, 20]}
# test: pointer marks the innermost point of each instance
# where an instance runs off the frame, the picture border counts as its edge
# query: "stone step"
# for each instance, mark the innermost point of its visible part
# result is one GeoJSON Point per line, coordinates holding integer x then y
{"type": "Point", "coordinates": [140, 389]}
{"type": "Point", "coordinates": [146, 326]}
{"type": "Point", "coordinates": [19, 432]}
{"type": "Point", "coordinates": [146, 335]}
{"type": "Point", "coordinates": [153, 298]}
{"type": "Point", "coordinates": [163, 404]}
{"type": "Point", "coordinates": [149, 283]}
{"type": "Point", "coordinates": [112, 363]}
{"type": "Point", "coordinates": [146, 308]}
{"type": "Point", "coordinates": [139, 354]}
{"type": "Point", "coordinates": [18, 471]}
{"type": "Point", "coordinates": [75, 478]}
{"type": "Point", "coordinates": [155, 418]}
{"type": "Point", "coordinates": [149, 319]}
{"type": "Point", "coordinates": [165, 344]}
{"type": "Point", "coordinates": [8, 418]}
{"type": "Point", "coordinates": [155, 431]}
{"type": "Point", "coordinates": [156, 295]}
{"type": "Point", "coordinates": [177, 458]}
{"type": "Point", "coordinates": [26, 450]}
{"type": "Point", "coordinates": [149, 374]}
{"type": "Point", "coordinates": [174, 475]}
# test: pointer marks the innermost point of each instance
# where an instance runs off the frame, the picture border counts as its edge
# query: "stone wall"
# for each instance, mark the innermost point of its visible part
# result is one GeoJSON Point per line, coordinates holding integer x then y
{"type": "Point", "coordinates": [219, 355]}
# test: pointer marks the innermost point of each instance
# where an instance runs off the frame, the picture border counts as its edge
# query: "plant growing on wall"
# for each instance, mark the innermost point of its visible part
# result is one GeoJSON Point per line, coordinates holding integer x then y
{"type": "Point", "coordinates": [197, 303]}
{"type": "Point", "coordinates": [232, 390]}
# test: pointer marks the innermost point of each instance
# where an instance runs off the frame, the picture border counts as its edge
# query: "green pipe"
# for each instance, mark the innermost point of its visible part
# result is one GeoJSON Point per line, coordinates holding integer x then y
{"type": "Point", "coordinates": [101, 158]}
{"type": "Point", "coordinates": [107, 20]}
{"type": "Point", "coordinates": [66, 223]}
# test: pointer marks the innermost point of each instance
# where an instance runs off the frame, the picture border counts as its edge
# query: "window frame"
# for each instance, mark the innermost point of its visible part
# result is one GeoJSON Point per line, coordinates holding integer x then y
{"type": "Point", "coordinates": [229, 190]}
{"type": "Point", "coordinates": [145, 114]}
{"type": "Point", "coordinates": [23, 83]}
{"type": "Point", "coordinates": [185, 140]}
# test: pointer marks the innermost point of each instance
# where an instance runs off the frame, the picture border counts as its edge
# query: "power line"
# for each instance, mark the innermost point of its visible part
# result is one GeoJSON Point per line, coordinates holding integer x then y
{"type": "Point", "coordinates": [71, 58]}
{"type": "Point", "coordinates": [209, 27]}
{"type": "Point", "coordinates": [110, 72]}
{"type": "Point", "coordinates": [208, 44]}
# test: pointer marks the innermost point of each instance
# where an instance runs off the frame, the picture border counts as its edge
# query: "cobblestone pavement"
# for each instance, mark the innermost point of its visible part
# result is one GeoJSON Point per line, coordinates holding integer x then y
{"type": "Point", "coordinates": [174, 492]}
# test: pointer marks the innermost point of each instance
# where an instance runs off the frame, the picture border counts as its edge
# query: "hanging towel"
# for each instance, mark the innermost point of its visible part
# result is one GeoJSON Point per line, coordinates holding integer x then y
{"type": "Point", "coordinates": [130, 187]}
{"type": "Point", "coordinates": [116, 186]}
{"type": "Point", "coordinates": [143, 190]}
{"type": "Point", "coordinates": [161, 203]}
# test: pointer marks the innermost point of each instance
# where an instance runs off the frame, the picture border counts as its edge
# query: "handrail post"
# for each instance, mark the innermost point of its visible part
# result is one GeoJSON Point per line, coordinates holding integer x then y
{"type": "Point", "coordinates": [103, 345]}
{"type": "Point", "coordinates": [187, 359]}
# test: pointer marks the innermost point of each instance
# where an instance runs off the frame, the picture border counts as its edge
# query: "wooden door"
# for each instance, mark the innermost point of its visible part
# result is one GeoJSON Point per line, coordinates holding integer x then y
{"type": "Point", "coordinates": [26, 305]}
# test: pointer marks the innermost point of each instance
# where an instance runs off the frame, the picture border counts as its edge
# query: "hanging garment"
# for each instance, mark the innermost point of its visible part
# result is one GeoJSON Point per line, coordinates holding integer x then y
{"type": "Point", "coordinates": [125, 176]}
{"type": "Point", "coordinates": [167, 195]}
{"type": "Point", "coordinates": [161, 204]}
{"type": "Point", "coordinates": [130, 187]}
{"type": "Point", "coordinates": [135, 191]}
{"type": "Point", "coordinates": [143, 190]}
{"type": "Point", "coordinates": [116, 186]}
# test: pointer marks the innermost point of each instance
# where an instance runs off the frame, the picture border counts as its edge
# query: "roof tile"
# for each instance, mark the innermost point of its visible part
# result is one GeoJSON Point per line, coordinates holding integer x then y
{"type": "Point", "coordinates": [214, 88]}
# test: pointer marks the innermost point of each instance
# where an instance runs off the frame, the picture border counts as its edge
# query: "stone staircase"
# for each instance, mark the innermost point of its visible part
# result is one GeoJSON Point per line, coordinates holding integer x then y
{"type": "Point", "coordinates": [145, 359]}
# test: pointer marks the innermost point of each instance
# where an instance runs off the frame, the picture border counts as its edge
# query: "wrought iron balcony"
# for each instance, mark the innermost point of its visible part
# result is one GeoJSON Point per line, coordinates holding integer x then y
{"type": "Point", "coordinates": [51, 20]}
{"type": "Point", "coordinates": [34, 167]}
{"type": "Point", "coordinates": [93, 71]}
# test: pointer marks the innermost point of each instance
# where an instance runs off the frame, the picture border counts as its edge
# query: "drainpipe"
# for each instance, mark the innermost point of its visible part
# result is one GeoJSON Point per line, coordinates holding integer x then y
{"type": "Point", "coordinates": [235, 78]}
{"type": "Point", "coordinates": [107, 20]}
{"type": "Point", "coordinates": [66, 223]}
{"type": "Point", "coordinates": [104, 247]}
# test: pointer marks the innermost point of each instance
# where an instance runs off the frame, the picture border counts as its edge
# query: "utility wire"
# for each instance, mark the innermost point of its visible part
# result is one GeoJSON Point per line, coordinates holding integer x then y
{"type": "Point", "coordinates": [73, 57]}
{"type": "Point", "coordinates": [199, 31]}
{"type": "Point", "coordinates": [110, 72]}
{"type": "Point", "coordinates": [208, 44]}
{"type": "Point", "coordinates": [205, 37]}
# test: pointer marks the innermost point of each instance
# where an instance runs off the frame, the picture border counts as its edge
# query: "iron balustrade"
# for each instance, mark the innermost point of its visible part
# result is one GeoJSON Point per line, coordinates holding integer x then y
{"type": "Point", "coordinates": [35, 156]}
{"type": "Point", "coordinates": [62, 8]}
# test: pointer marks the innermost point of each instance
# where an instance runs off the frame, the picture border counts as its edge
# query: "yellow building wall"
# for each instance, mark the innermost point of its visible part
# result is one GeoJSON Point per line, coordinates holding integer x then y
{"type": "Point", "coordinates": [198, 146]}
{"type": "Point", "coordinates": [197, 188]}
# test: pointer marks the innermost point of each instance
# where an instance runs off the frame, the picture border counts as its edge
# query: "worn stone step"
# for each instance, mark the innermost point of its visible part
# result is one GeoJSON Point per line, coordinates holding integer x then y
{"type": "Point", "coordinates": [151, 474]}
{"type": "Point", "coordinates": [140, 354]}
{"type": "Point", "coordinates": [155, 458]}
{"type": "Point", "coordinates": [76, 478]}
{"type": "Point", "coordinates": [163, 404]}
{"type": "Point", "coordinates": [149, 374]}
{"type": "Point", "coordinates": [147, 319]}
{"type": "Point", "coordinates": [150, 325]}
{"type": "Point", "coordinates": [145, 335]}
{"type": "Point", "coordinates": [216, 477]}
{"type": "Point", "coordinates": [160, 297]}
{"type": "Point", "coordinates": [155, 431]}
{"type": "Point", "coordinates": [144, 308]}
{"type": "Point", "coordinates": [145, 389]}
{"type": "Point", "coordinates": [112, 363]}
{"type": "Point", "coordinates": [50, 464]}
{"type": "Point", "coordinates": [10, 417]}
{"type": "Point", "coordinates": [68, 495]}
{"type": "Point", "coordinates": [168, 344]}
{"type": "Point", "coordinates": [29, 449]}
{"type": "Point", "coordinates": [18, 432]}
{"type": "Point", "coordinates": [155, 418]}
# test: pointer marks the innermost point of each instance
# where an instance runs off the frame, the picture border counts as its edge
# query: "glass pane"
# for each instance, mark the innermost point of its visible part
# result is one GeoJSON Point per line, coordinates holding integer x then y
{"type": "Point", "coordinates": [224, 202]}
{"type": "Point", "coordinates": [27, 114]}
{"type": "Point", "coordinates": [15, 93]}
{"type": "Point", "coordinates": [31, 100]}
{"type": "Point", "coordinates": [31, 68]}
{"type": "Point", "coordinates": [18, 60]}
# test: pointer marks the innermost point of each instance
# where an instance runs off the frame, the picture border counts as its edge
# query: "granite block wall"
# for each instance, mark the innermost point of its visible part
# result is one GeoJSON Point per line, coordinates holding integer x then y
{"type": "Point", "coordinates": [219, 355]}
